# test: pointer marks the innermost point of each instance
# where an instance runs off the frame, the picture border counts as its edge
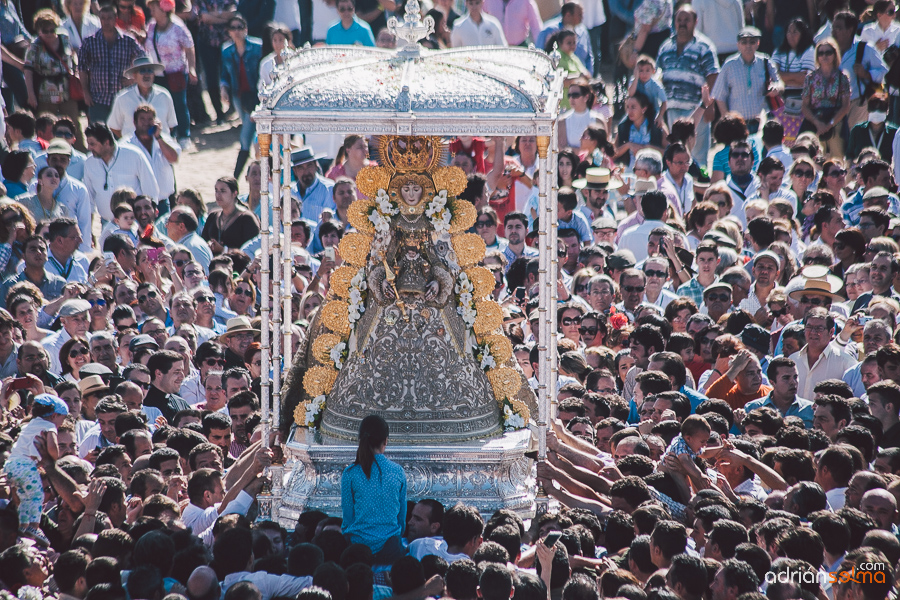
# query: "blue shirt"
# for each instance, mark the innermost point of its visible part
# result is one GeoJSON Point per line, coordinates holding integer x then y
{"type": "Point", "coordinates": [318, 197]}
{"type": "Point", "coordinates": [582, 44]}
{"type": "Point", "coordinates": [798, 408]}
{"type": "Point", "coordinates": [579, 223]}
{"type": "Point", "coordinates": [374, 508]}
{"type": "Point", "coordinates": [359, 34]}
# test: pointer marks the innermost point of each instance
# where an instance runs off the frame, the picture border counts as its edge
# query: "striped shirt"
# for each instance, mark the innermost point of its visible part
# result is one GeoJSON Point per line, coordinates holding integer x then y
{"type": "Point", "coordinates": [742, 86]}
{"type": "Point", "coordinates": [684, 73]}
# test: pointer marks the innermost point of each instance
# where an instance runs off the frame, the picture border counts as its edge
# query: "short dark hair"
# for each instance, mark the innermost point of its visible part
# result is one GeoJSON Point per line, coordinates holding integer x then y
{"type": "Point", "coordinates": [162, 361]}
{"type": "Point", "coordinates": [100, 131]}
{"type": "Point", "coordinates": [727, 535]}
{"type": "Point", "coordinates": [654, 205]}
{"type": "Point", "coordinates": [461, 524]}
{"type": "Point", "coordinates": [737, 573]}
{"type": "Point", "coordinates": [670, 537]}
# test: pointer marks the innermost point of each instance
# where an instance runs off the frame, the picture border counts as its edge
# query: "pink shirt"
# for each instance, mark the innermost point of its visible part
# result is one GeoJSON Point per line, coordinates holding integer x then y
{"type": "Point", "coordinates": [518, 17]}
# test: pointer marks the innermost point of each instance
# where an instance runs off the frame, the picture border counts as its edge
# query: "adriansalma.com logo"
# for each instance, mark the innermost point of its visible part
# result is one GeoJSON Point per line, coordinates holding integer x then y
{"type": "Point", "coordinates": [861, 573]}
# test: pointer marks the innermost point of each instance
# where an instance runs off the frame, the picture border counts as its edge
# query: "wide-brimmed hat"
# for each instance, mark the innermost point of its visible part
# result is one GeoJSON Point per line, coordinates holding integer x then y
{"type": "Point", "coordinates": [238, 325]}
{"type": "Point", "coordinates": [642, 186]}
{"type": "Point", "coordinates": [817, 279]}
{"type": "Point", "coordinates": [597, 178]}
{"type": "Point", "coordinates": [303, 155]}
{"type": "Point", "coordinates": [143, 62]}
{"type": "Point", "coordinates": [92, 385]}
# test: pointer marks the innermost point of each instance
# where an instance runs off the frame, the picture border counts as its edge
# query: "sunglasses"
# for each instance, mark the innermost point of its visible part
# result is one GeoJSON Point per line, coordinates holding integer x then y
{"type": "Point", "coordinates": [205, 299]}
{"type": "Point", "coordinates": [124, 326]}
{"type": "Point", "coordinates": [143, 384]}
{"type": "Point", "coordinates": [633, 288]}
{"type": "Point", "coordinates": [569, 321]}
{"type": "Point", "coordinates": [804, 173]}
{"type": "Point", "coordinates": [75, 353]}
{"type": "Point", "coordinates": [812, 301]}
{"type": "Point", "coordinates": [740, 155]}
{"type": "Point", "coordinates": [97, 302]}
{"type": "Point", "coordinates": [143, 298]}
{"type": "Point", "coordinates": [179, 262]}
{"type": "Point", "coordinates": [825, 53]}
{"type": "Point", "coordinates": [656, 273]}
{"type": "Point", "coordinates": [64, 134]}
{"type": "Point", "coordinates": [484, 224]}
{"type": "Point", "coordinates": [707, 341]}
{"type": "Point", "coordinates": [212, 362]}
{"type": "Point", "coordinates": [588, 331]}
{"type": "Point", "coordinates": [837, 173]}
{"type": "Point", "coordinates": [243, 292]}
{"type": "Point", "coordinates": [575, 94]}
{"type": "Point", "coordinates": [579, 289]}
{"type": "Point", "coordinates": [718, 297]}
{"type": "Point", "coordinates": [780, 312]}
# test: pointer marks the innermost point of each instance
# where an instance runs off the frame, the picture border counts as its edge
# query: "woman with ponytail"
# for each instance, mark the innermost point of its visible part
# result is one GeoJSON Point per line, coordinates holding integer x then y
{"type": "Point", "coordinates": [373, 495]}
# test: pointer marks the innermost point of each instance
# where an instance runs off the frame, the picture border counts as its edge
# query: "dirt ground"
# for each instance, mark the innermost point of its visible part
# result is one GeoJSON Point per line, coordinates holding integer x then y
{"type": "Point", "coordinates": [214, 155]}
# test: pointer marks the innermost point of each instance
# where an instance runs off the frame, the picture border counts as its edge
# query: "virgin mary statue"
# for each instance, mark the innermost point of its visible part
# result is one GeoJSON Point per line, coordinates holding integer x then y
{"type": "Point", "coordinates": [407, 331]}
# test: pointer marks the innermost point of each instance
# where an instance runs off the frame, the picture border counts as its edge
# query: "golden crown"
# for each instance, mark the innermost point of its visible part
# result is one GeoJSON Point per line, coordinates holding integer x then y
{"type": "Point", "coordinates": [403, 154]}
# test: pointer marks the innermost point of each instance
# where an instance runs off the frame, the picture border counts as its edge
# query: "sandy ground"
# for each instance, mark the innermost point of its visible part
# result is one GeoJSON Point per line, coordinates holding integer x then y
{"type": "Point", "coordinates": [213, 157]}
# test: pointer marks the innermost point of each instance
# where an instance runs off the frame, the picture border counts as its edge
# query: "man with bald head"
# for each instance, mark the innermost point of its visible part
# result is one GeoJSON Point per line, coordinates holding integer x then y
{"type": "Point", "coordinates": [881, 506]}
{"type": "Point", "coordinates": [203, 584]}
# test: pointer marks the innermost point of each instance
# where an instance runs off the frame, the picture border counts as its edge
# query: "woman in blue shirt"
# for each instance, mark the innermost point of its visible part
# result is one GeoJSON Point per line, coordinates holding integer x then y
{"type": "Point", "coordinates": [637, 130]}
{"type": "Point", "coordinates": [373, 495]}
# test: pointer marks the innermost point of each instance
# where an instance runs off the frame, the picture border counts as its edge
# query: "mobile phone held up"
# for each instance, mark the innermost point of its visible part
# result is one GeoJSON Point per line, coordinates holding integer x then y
{"type": "Point", "coordinates": [153, 254]}
{"type": "Point", "coordinates": [551, 538]}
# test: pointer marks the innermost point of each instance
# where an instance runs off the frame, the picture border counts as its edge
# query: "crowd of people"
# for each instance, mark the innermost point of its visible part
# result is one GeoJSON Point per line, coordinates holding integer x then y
{"type": "Point", "coordinates": [728, 424]}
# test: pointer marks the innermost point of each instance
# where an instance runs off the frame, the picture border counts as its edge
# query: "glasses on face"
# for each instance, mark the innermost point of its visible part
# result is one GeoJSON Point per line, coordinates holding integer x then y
{"type": "Point", "coordinates": [124, 326]}
{"type": "Point", "coordinates": [631, 289]}
{"type": "Point", "coordinates": [64, 134]}
{"type": "Point", "coordinates": [803, 173]}
{"type": "Point", "coordinates": [740, 155]}
{"type": "Point", "coordinates": [243, 292]}
{"type": "Point", "coordinates": [142, 384]}
{"type": "Point", "coordinates": [588, 331]}
{"type": "Point", "coordinates": [97, 302]}
{"type": "Point", "coordinates": [707, 341]}
{"type": "Point", "coordinates": [575, 94]}
{"type": "Point", "coordinates": [48, 31]}
{"type": "Point", "coordinates": [837, 173]}
{"type": "Point", "coordinates": [214, 362]}
{"type": "Point", "coordinates": [484, 224]}
{"type": "Point", "coordinates": [146, 71]}
{"type": "Point", "coordinates": [580, 289]}
{"type": "Point", "coordinates": [812, 301]}
{"type": "Point", "coordinates": [193, 274]}
{"type": "Point", "coordinates": [718, 297]}
{"type": "Point", "coordinates": [816, 328]}
{"type": "Point", "coordinates": [569, 321]}
{"type": "Point", "coordinates": [76, 352]}
{"type": "Point", "coordinates": [650, 273]}
{"type": "Point", "coordinates": [236, 27]}
{"type": "Point", "coordinates": [779, 312]}
{"type": "Point", "coordinates": [345, 9]}
{"type": "Point", "coordinates": [150, 295]}
{"type": "Point", "coordinates": [179, 262]}
{"type": "Point", "coordinates": [205, 299]}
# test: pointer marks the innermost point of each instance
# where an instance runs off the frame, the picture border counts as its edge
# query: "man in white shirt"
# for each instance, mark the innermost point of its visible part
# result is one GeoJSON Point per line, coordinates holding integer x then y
{"type": "Point", "coordinates": [233, 553]}
{"type": "Point", "coordinates": [75, 323]}
{"type": "Point", "coordinates": [477, 28]}
{"type": "Point", "coordinates": [653, 205]}
{"type": "Point", "coordinates": [462, 530]}
{"type": "Point", "coordinates": [209, 501]}
{"type": "Point", "coordinates": [112, 166]}
{"type": "Point", "coordinates": [833, 471]}
{"type": "Point", "coordinates": [160, 149]}
{"type": "Point", "coordinates": [143, 72]}
{"type": "Point", "coordinates": [822, 357]}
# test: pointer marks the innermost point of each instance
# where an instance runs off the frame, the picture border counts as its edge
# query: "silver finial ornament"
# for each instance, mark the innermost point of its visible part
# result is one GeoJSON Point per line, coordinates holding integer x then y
{"type": "Point", "coordinates": [413, 29]}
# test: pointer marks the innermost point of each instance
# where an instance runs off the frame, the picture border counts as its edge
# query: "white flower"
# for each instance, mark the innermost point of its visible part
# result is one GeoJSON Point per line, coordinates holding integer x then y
{"type": "Point", "coordinates": [487, 362]}
{"type": "Point", "coordinates": [29, 592]}
{"type": "Point", "coordinates": [337, 355]}
{"type": "Point", "coordinates": [385, 206]}
{"type": "Point", "coordinates": [313, 408]}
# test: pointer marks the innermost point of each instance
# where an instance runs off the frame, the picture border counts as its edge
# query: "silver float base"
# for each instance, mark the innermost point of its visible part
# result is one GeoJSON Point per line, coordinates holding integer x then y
{"type": "Point", "coordinates": [489, 474]}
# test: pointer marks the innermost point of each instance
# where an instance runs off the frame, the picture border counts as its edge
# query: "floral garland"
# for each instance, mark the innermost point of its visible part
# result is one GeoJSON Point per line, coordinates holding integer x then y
{"type": "Point", "coordinates": [440, 214]}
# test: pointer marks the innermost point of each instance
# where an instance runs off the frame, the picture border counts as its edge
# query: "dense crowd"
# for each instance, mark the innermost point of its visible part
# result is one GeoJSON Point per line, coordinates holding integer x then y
{"type": "Point", "coordinates": [728, 422]}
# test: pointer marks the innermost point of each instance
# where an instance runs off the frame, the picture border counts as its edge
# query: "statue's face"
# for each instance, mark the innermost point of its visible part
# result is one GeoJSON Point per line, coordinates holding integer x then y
{"type": "Point", "coordinates": [411, 193]}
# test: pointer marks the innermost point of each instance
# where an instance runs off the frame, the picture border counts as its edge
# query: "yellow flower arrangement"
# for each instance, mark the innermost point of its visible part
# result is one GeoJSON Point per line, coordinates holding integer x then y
{"type": "Point", "coordinates": [504, 381]}
{"type": "Point", "coordinates": [336, 317]}
{"type": "Point", "coordinates": [489, 317]}
{"type": "Point", "coordinates": [358, 216]}
{"type": "Point", "coordinates": [500, 346]}
{"type": "Point", "coordinates": [318, 381]}
{"type": "Point", "coordinates": [464, 215]}
{"type": "Point", "coordinates": [469, 248]}
{"type": "Point", "coordinates": [354, 248]}
{"type": "Point", "coordinates": [370, 179]}
{"type": "Point", "coordinates": [300, 414]}
{"type": "Point", "coordinates": [482, 280]}
{"type": "Point", "coordinates": [340, 280]}
{"type": "Point", "coordinates": [321, 348]}
{"type": "Point", "coordinates": [520, 407]}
